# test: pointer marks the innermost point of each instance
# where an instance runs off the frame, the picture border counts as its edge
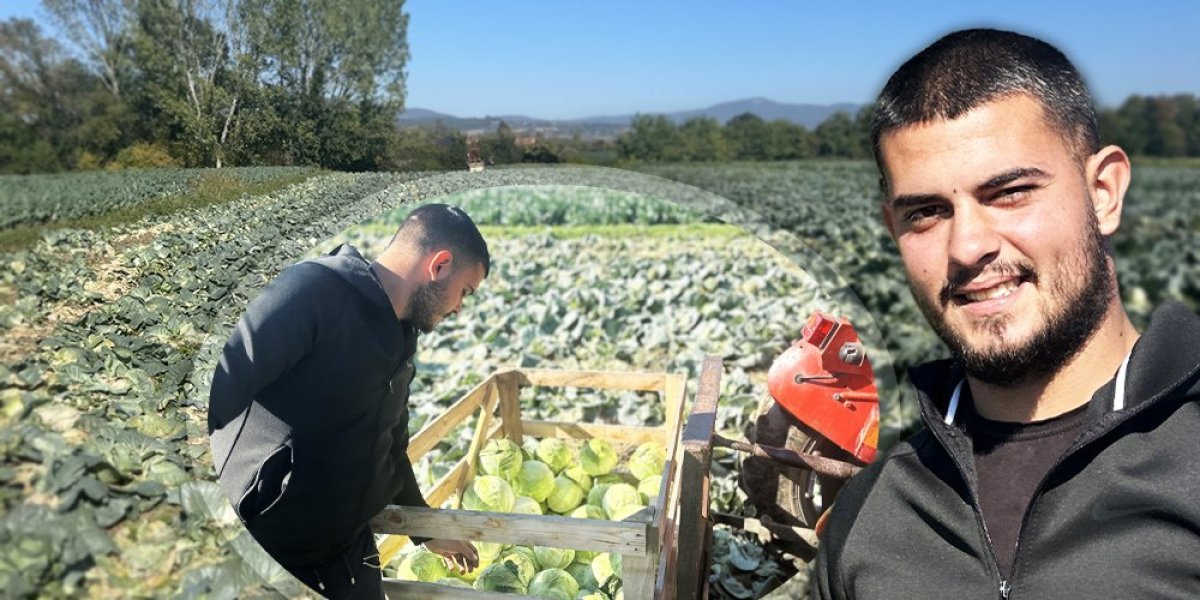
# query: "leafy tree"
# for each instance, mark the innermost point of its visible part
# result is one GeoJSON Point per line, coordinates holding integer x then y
{"type": "Point", "coordinates": [652, 138]}
{"type": "Point", "coordinates": [747, 134]}
{"type": "Point", "coordinates": [701, 140]}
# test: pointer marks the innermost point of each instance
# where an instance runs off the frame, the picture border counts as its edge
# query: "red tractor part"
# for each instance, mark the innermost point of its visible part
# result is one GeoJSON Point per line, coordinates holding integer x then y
{"type": "Point", "coordinates": [824, 380]}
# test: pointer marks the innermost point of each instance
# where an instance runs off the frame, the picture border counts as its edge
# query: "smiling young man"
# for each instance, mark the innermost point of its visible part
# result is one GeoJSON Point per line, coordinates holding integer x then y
{"type": "Point", "coordinates": [1058, 454]}
{"type": "Point", "coordinates": [308, 413]}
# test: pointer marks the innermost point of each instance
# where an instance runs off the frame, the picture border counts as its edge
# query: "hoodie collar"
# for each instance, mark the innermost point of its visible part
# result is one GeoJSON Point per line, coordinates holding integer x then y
{"type": "Point", "coordinates": [1165, 357]}
{"type": "Point", "coordinates": [346, 261]}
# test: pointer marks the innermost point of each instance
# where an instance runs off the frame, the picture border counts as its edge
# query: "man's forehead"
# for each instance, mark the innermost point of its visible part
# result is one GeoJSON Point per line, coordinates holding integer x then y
{"type": "Point", "coordinates": [1006, 134]}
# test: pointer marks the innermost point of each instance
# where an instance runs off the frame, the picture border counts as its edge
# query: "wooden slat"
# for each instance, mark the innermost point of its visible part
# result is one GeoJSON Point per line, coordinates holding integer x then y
{"type": "Point", "coordinates": [404, 590]}
{"type": "Point", "coordinates": [446, 486]}
{"type": "Point", "coordinates": [623, 537]}
{"type": "Point", "coordinates": [696, 460]}
{"type": "Point", "coordinates": [481, 435]}
{"type": "Point", "coordinates": [510, 406]}
{"type": "Point", "coordinates": [637, 576]}
{"type": "Point", "coordinates": [435, 431]}
{"type": "Point", "coordinates": [599, 380]}
{"type": "Point", "coordinates": [668, 527]}
{"type": "Point", "coordinates": [623, 434]}
{"type": "Point", "coordinates": [638, 572]}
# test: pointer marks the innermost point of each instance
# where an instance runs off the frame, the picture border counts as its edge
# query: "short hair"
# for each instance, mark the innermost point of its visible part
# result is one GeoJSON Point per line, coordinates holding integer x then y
{"type": "Point", "coordinates": [441, 226]}
{"type": "Point", "coordinates": [967, 69]}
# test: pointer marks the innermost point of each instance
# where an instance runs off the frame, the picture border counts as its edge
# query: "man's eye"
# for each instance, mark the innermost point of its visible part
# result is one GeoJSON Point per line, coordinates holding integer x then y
{"type": "Point", "coordinates": [923, 213]}
{"type": "Point", "coordinates": [1014, 194]}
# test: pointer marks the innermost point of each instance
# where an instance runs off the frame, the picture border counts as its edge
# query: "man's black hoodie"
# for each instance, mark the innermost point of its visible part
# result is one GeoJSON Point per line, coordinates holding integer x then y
{"type": "Point", "coordinates": [308, 413]}
{"type": "Point", "coordinates": [1118, 516]}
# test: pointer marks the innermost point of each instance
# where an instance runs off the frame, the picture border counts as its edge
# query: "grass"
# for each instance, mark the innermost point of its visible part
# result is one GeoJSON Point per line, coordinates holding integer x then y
{"type": "Point", "coordinates": [210, 189]}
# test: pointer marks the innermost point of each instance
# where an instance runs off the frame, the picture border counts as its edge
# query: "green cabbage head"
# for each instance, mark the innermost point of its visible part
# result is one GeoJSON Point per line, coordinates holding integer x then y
{"type": "Point", "coordinates": [597, 457]}
{"type": "Point", "coordinates": [501, 577]}
{"type": "Point", "coordinates": [648, 487]}
{"type": "Point", "coordinates": [527, 506]}
{"type": "Point", "coordinates": [553, 558]}
{"type": "Point", "coordinates": [620, 501]}
{"type": "Point", "coordinates": [534, 479]}
{"type": "Point", "coordinates": [606, 566]}
{"type": "Point", "coordinates": [566, 495]}
{"type": "Point", "coordinates": [555, 453]}
{"type": "Point", "coordinates": [501, 457]}
{"type": "Point", "coordinates": [525, 564]}
{"type": "Point", "coordinates": [556, 584]}
{"type": "Point", "coordinates": [489, 493]}
{"type": "Point", "coordinates": [648, 460]}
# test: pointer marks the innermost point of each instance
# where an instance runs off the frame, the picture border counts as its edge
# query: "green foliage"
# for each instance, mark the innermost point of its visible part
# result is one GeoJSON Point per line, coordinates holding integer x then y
{"type": "Point", "coordinates": [31, 205]}
{"type": "Point", "coordinates": [142, 156]}
{"type": "Point", "coordinates": [244, 82]}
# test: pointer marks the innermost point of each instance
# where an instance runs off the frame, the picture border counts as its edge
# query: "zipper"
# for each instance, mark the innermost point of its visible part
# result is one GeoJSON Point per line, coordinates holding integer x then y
{"type": "Point", "coordinates": [1095, 431]}
{"type": "Point", "coordinates": [1004, 586]}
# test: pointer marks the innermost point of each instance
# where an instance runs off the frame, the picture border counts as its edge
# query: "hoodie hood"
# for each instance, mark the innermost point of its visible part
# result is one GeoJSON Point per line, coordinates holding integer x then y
{"type": "Point", "coordinates": [346, 261]}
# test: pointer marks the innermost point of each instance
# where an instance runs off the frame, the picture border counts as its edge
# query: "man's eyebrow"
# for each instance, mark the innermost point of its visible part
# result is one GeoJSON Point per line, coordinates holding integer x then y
{"type": "Point", "coordinates": [907, 200]}
{"type": "Point", "coordinates": [1012, 175]}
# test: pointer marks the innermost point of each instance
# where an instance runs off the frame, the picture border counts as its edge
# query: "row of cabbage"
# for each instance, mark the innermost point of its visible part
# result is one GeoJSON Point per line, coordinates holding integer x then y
{"type": "Point", "coordinates": [31, 199]}
{"type": "Point", "coordinates": [565, 205]}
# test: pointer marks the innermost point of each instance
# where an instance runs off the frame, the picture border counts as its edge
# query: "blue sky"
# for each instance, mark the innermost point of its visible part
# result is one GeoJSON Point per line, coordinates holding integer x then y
{"type": "Point", "coordinates": [568, 59]}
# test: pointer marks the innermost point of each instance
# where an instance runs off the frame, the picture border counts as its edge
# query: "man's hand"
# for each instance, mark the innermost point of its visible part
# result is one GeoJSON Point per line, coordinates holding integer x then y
{"type": "Point", "coordinates": [462, 555]}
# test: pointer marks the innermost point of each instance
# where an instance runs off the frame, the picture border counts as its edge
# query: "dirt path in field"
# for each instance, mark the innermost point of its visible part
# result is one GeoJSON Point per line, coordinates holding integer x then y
{"type": "Point", "coordinates": [111, 281]}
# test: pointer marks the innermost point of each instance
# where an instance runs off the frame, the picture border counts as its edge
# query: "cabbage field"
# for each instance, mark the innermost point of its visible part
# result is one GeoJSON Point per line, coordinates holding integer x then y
{"type": "Point", "coordinates": [109, 337]}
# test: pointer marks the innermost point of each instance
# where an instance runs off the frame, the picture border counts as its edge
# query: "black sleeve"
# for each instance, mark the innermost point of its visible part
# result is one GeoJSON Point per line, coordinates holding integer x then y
{"type": "Point", "coordinates": [410, 493]}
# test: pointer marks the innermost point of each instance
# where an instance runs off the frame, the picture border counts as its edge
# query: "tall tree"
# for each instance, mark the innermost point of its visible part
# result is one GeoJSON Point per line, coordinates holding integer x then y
{"type": "Point", "coordinates": [189, 73]}
{"type": "Point", "coordinates": [354, 50]}
{"type": "Point", "coordinates": [99, 28]}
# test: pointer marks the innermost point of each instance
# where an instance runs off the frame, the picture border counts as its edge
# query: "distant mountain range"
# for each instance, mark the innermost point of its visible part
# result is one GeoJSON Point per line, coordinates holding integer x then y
{"type": "Point", "coordinates": [808, 115]}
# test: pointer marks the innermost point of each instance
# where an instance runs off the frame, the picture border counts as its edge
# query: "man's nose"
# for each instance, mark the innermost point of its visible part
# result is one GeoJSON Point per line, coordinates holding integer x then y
{"type": "Point", "coordinates": [973, 241]}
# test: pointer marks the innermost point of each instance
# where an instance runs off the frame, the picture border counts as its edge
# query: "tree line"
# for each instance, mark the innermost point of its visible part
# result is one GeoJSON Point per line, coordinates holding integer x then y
{"type": "Point", "coordinates": [203, 83]}
{"type": "Point", "coordinates": [1163, 126]}
{"type": "Point", "coordinates": [207, 83]}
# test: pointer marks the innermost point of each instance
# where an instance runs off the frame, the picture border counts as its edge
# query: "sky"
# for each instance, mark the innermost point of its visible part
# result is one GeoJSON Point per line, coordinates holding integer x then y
{"type": "Point", "coordinates": [572, 59]}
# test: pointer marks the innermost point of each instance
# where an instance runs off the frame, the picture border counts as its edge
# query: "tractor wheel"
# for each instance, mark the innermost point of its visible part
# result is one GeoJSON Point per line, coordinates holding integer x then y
{"type": "Point", "coordinates": [783, 494]}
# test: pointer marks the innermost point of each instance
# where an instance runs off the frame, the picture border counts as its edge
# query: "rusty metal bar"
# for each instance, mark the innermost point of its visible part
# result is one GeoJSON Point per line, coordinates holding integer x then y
{"type": "Point", "coordinates": [818, 464]}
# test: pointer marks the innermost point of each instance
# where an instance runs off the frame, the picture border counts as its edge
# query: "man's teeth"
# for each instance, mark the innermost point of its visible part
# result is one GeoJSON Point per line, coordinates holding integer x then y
{"type": "Point", "coordinates": [999, 291]}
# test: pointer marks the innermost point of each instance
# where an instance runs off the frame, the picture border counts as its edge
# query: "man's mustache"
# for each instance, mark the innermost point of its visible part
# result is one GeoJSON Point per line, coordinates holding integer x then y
{"type": "Point", "coordinates": [959, 279]}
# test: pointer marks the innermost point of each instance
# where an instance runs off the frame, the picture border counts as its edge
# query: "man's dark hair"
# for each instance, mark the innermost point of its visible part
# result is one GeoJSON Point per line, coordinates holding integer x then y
{"type": "Point", "coordinates": [441, 226]}
{"type": "Point", "coordinates": [967, 69]}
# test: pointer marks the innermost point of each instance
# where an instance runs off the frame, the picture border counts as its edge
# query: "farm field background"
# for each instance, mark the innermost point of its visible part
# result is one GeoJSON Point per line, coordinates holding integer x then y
{"type": "Point", "coordinates": [109, 336]}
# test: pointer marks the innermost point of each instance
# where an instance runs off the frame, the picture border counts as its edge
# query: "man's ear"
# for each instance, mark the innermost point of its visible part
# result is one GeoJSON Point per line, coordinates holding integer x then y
{"type": "Point", "coordinates": [1108, 174]}
{"type": "Point", "coordinates": [439, 264]}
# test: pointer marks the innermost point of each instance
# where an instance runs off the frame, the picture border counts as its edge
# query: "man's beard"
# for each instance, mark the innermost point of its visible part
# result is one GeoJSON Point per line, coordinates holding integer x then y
{"type": "Point", "coordinates": [425, 302]}
{"type": "Point", "coordinates": [1063, 333]}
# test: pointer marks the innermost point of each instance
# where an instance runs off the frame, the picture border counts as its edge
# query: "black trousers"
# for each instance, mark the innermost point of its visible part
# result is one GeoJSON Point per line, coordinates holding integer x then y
{"type": "Point", "coordinates": [355, 574]}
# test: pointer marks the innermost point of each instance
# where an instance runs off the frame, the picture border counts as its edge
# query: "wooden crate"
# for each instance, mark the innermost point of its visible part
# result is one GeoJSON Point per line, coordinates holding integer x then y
{"type": "Point", "coordinates": [645, 540]}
